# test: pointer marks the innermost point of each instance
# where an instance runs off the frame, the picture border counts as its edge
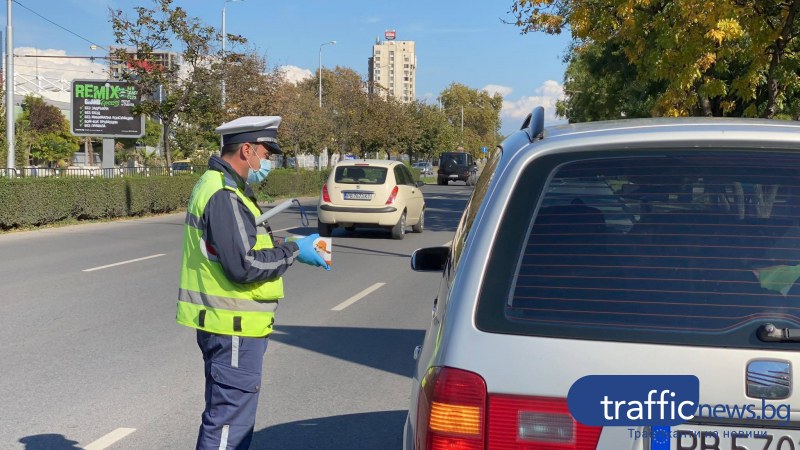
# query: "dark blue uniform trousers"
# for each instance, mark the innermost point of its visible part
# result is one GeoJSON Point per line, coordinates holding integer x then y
{"type": "Point", "coordinates": [233, 381]}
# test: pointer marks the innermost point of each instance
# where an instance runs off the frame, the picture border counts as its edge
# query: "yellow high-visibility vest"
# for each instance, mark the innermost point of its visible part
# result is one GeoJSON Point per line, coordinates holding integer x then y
{"type": "Point", "coordinates": [207, 299]}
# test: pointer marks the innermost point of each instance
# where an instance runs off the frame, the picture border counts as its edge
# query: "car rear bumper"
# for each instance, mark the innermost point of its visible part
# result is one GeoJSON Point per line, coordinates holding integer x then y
{"type": "Point", "coordinates": [354, 209]}
{"type": "Point", "coordinates": [381, 216]}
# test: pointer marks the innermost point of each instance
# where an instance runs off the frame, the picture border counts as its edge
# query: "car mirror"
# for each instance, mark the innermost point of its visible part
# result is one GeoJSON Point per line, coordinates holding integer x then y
{"type": "Point", "coordinates": [429, 259]}
{"type": "Point", "coordinates": [420, 183]}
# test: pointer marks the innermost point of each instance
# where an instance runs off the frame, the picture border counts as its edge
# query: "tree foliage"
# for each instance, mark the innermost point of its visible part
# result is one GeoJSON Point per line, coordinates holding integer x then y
{"type": "Point", "coordinates": [601, 84]}
{"type": "Point", "coordinates": [706, 57]}
{"type": "Point", "coordinates": [479, 112]}
{"type": "Point", "coordinates": [43, 135]}
{"type": "Point", "coordinates": [167, 88]}
{"type": "Point", "coordinates": [304, 128]}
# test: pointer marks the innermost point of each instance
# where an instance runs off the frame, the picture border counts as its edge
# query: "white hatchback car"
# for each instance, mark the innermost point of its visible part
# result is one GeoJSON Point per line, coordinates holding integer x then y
{"type": "Point", "coordinates": [371, 193]}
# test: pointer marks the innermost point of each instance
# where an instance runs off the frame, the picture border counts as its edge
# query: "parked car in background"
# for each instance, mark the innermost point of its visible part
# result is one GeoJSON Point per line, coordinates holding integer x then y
{"type": "Point", "coordinates": [425, 167]}
{"type": "Point", "coordinates": [371, 193]}
{"type": "Point", "coordinates": [182, 166]}
{"type": "Point", "coordinates": [635, 247]}
{"type": "Point", "coordinates": [456, 166]}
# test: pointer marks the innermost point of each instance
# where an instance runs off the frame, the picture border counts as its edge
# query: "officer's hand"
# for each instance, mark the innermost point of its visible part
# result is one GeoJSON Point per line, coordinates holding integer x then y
{"type": "Point", "coordinates": [308, 254]}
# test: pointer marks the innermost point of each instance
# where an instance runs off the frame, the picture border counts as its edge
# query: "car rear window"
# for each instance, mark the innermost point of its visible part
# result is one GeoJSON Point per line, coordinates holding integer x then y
{"type": "Point", "coordinates": [688, 248]}
{"type": "Point", "coordinates": [453, 158]}
{"type": "Point", "coordinates": [360, 175]}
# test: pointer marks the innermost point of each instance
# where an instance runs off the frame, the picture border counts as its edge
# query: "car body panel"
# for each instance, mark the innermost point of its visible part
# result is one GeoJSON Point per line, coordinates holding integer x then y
{"type": "Point", "coordinates": [456, 166]}
{"type": "Point", "coordinates": [371, 210]}
{"type": "Point", "coordinates": [546, 366]}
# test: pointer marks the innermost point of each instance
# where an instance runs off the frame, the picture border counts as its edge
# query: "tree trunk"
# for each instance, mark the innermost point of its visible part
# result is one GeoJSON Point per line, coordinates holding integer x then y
{"type": "Point", "coordinates": [705, 104]}
{"type": "Point", "coordinates": [773, 88]}
{"type": "Point", "coordinates": [165, 142]}
{"type": "Point", "coordinates": [89, 151]}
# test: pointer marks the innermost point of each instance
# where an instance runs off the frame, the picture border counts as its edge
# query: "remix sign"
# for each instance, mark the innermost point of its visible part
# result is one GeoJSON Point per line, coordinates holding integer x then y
{"type": "Point", "coordinates": [105, 109]}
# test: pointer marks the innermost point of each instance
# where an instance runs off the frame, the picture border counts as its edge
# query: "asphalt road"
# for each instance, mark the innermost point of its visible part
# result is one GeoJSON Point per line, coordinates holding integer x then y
{"type": "Point", "coordinates": [92, 357]}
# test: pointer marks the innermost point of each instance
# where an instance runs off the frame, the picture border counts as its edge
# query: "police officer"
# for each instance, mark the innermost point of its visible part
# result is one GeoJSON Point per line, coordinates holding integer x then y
{"type": "Point", "coordinates": [230, 280]}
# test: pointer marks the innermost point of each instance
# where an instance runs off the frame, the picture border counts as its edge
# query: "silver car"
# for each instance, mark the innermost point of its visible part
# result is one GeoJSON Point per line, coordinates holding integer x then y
{"type": "Point", "coordinates": [636, 248]}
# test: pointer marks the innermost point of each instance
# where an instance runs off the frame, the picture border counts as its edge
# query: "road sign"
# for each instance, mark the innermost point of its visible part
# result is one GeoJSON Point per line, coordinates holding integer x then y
{"type": "Point", "coordinates": [483, 149]}
{"type": "Point", "coordinates": [105, 109]}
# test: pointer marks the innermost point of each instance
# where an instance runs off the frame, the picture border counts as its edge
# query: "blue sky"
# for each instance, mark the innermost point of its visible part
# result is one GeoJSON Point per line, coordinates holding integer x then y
{"type": "Point", "coordinates": [462, 41]}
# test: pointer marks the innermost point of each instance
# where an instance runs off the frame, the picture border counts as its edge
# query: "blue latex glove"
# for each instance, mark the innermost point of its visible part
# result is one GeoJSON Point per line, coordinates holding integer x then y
{"type": "Point", "coordinates": [308, 254]}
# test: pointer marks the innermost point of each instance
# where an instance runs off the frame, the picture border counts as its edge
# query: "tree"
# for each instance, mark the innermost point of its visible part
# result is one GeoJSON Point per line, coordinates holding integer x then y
{"type": "Point", "coordinates": [167, 88]}
{"type": "Point", "coordinates": [436, 134]}
{"type": "Point", "coordinates": [136, 148]}
{"type": "Point", "coordinates": [345, 100]}
{"type": "Point", "coordinates": [714, 57]}
{"type": "Point", "coordinates": [304, 128]}
{"type": "Point", "coordinates": [601, 84]}
{"type": "Point", "coordinates": [43, 133]}
{"type": "Point", "coordinates": [479, 111]}
{"type": "Point", "coordinates": [251, 87]}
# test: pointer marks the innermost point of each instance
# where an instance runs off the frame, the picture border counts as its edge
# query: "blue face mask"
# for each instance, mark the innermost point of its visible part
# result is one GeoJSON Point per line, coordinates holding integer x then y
{"type": "Point", "coordinates": [257, 176]}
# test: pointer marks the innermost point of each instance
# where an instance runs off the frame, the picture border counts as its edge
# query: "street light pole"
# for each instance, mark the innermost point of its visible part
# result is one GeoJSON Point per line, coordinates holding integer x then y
{"type": "Point", "coordinates": [320, 70]}
{"type": "Point", "coordinates": [462, 124]}
{"type": "Point", "coordinates": [9, 91]}
{"type": "Point", "coordinates": [224, 37]}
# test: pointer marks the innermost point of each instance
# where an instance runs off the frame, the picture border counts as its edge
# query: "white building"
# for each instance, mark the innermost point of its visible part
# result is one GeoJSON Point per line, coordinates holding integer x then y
{"type": "Point", "coordinates": [393, 69]}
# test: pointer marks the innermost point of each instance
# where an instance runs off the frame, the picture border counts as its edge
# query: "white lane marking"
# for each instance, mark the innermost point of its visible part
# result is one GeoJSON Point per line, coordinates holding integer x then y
{"type": "Point", "coordinates": [357, 297]}
{"type": "Point", "coordinates": [109, 439]}
{"type": "Point", "coordinates": [282, 229]}
{"type": "Point", "coordinates": [123, 262]}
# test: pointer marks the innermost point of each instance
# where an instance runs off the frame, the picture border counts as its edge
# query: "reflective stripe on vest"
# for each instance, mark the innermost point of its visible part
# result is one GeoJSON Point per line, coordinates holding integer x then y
{"type": "Point", "coordinates": [207, 299]}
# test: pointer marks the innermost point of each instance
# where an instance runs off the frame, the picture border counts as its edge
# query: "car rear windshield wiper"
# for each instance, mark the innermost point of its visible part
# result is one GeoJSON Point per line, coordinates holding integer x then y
{"type": "Point", "coordinates": [770, 333]}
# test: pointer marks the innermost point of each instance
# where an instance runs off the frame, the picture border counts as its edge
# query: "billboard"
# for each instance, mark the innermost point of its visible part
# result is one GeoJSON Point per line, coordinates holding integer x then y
{"type": "Point", "coordinates": [105, 109]}
{"type": "Point", "coordinates": [389, 35]}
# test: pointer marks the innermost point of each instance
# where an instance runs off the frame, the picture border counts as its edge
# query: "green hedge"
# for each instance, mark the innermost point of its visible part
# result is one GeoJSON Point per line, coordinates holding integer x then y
{"type": "Point", "coordinates": [283, 183]}
{"type": "Point", "coordinates": [28, 202]}
{"type": "Point", "coordinates": [40, 201]}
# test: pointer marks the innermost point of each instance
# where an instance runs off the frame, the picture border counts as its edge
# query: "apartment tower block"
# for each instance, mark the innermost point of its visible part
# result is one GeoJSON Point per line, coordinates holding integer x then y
{"type": "Point", "coordinates": [393, 68]}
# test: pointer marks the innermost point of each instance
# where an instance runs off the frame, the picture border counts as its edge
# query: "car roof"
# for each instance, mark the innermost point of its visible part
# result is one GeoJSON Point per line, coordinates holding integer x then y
{"type": "Point", "coordinates": [670, 124]}
{"type": "Point", "coordinates": [687, 133]}
{"type": "Point", "coordinates": [371, 162]}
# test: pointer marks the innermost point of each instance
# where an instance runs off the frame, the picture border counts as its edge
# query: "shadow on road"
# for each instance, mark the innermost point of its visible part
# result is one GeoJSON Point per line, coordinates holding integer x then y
{"type": "Point", "coordinates": [50, 441]}
{"type": "Point", "coordinates": [390, 350]}
{"type": "Point", "coordinates": [375, 430]}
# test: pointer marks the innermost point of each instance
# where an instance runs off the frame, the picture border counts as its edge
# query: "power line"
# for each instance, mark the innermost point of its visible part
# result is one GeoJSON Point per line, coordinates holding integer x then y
{"type": "Point", "coordinates": [59, 26]}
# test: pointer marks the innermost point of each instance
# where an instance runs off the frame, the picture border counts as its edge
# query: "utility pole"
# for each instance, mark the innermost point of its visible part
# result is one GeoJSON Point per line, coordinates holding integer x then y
{"type": "Point", "coordinates": [462, 124]}
{"type": "Point", "coordinates": [224, 38]}
{"type": "Point", "coordinates": [223, 58]}
{"type": "Point", "coordinates": [9, 91]}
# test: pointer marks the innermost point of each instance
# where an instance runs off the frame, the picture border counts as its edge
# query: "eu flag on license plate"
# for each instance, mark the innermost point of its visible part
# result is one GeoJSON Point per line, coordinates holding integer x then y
{"type": "Point", "coordinates": [659, 438]}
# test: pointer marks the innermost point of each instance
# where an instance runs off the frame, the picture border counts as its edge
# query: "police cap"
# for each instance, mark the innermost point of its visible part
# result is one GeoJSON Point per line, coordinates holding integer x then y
{"type": "Point", "coordinates": [261, 129]}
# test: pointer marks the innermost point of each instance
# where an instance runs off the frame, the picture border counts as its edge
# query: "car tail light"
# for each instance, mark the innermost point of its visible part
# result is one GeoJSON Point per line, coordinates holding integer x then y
{"type": "Point", "coordinates": [537, 423]}
{"type": "Point", "coordinates": [451, 410]}
{"type": "Point", "coordinates": [392, 196]}
{"type": "Point", "coordinates": [325, 196]}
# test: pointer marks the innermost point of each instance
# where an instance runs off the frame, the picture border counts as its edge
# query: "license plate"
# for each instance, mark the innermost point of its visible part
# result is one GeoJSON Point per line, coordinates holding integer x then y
{"type": "Point", "coordinates": [453, 176]}
{"type": "Point", "coordinates": [729, 438]}
{"type": "Point", "coordinates": [358, 195]}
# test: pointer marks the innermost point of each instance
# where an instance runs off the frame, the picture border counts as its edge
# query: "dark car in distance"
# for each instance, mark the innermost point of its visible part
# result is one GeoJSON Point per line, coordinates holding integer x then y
{"type": "Point", "coordinates": [456, 166]}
